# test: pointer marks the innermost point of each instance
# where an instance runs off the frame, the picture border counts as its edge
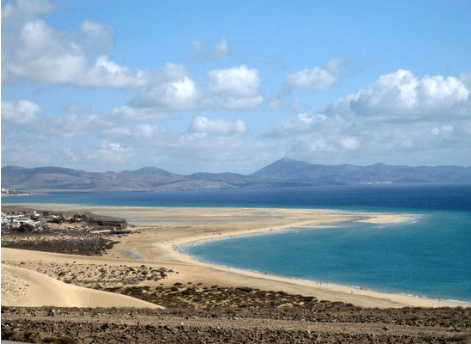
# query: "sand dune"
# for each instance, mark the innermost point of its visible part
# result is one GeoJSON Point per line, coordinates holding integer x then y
{"type": "Point", "coordinates": [22, 287]}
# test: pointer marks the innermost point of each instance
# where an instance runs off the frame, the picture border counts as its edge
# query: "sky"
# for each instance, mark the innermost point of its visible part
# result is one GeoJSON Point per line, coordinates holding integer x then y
{"type": "Point", "coordinates": [232, 86]}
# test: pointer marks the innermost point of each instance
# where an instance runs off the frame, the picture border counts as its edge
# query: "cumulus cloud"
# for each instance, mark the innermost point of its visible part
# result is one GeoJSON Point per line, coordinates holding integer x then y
{"type": "Point", "coordinates": [400, 118]}
{"type": "Point", "coordinates": [466, 79]}
{"type": "Point", "coordinates": [21, 155]}
{"type": "Point", "coordinates": [236, 81]}
{"type": "Point", "coordinates": [111, 152]}
{"type": "Point", "coordinates": [35, 51]}
{"type": "Point", "coordinates": [219, 51]}
{"type": "Point", "coordinates": [173, 89]}
{"type": "Point", "coordinates": [143, 134]}
{"type": "Point", "coordinates": [203, 124]}
{"type": "Point", "coordinates": [237, 87]}
{"type": "Point", "coordinates": [99, 37]}
{"type": "Point", "coordinates": [15, 14]}
{"type": "Point", "coordinates": [401, 93]}
{"type": "Point", "coordinates": [23, 112]}
{"type": "Point", "coordinates": [129, 113]}
{"type": "Point", "coordinates": [302, 122]}
{"type": "Point", "coordinates": [22, 123]}
{"type": "Point", "coordinates": [181, 93]}
{"type": "Point", "coordinates": [233, 88]}
{"type": "Point", "coordinates": [315, 78]}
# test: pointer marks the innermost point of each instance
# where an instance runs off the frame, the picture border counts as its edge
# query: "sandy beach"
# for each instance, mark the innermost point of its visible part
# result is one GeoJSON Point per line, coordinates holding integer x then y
{"type": "Point", "coordinates": [162, 230]}
{"type": "Point", "coordinates": [77, 282]}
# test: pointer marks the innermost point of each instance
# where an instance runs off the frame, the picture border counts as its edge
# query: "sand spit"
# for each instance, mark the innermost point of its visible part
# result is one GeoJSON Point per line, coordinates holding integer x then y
{"type": "Point", "coordinates": [162, 230]}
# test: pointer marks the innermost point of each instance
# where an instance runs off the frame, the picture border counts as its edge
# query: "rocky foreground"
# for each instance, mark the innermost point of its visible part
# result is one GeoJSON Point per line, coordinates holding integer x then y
{"type": "Point", "coordinates": [326, 323]}
{"type": "Point", "coordinates": [197, 313]}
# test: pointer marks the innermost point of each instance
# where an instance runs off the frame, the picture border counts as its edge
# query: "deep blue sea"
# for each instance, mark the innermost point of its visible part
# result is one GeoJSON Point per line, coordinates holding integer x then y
{"type": "Point", "coordinates": [429, 256]}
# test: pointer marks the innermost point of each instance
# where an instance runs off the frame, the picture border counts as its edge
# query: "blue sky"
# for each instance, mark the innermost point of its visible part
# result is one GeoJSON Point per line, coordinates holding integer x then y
{"type": "Point", "coordinates": [220, 86]}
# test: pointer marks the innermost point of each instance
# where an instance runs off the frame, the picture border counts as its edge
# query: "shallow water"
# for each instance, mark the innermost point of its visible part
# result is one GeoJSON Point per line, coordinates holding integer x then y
{"type": "Point", "coordinates": [428, 257]}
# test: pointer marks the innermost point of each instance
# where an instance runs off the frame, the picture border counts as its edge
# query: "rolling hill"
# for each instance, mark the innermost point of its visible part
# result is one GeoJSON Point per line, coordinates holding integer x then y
{"type": "Point", "coordinates": [284, 172]}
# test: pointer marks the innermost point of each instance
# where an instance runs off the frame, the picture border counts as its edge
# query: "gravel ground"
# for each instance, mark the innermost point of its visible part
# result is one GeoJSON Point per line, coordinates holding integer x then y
{"type": "Point", "coordinates": [66, 325]}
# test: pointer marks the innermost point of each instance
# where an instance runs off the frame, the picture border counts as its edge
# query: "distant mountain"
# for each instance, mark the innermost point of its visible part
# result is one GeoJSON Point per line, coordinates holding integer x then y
{"type": "Point", "coordinates": [230, 178]}
{"type": "Point", "coordinates": [151, 171]}
{"type": "Point", "coordinates": [56, 178]}
{"type": "Point", "coordinates": [284, 172]}
{"type": "Point", "coordinates": [300, 171]}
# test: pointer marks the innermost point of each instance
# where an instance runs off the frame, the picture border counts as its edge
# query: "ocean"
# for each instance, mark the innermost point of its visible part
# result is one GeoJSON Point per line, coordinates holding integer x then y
{"type": "Point", "coordinates": [428, 256]}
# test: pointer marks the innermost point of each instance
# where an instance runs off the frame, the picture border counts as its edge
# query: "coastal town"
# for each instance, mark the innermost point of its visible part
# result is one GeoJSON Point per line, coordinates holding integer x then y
{"type": "Point", "coordinates": [7, 192]}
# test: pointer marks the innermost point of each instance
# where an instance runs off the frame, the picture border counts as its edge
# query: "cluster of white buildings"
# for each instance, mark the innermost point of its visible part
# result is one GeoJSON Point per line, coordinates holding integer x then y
{"type": "Point", "coordinates": [21, 222]}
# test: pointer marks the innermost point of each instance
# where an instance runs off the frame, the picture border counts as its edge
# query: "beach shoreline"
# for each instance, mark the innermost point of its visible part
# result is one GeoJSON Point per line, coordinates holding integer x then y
{"type": "Point", "coordinates": [161, 231]}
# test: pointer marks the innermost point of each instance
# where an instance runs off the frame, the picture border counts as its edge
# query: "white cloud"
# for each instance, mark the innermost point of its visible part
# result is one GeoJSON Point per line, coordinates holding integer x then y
{"type": "Point", "coordinates": [466, 79]}
{"type": "Point", "coordinates": [111, 152]}
{"type": "Point", "coordinates": [66, 126]}
{"type": "Point", "coordinates": [144, 134]}
{"type": "Point", "coordinates": [147, 130]}
{"type": "Point", "coordinates": [178, 94]}
{"type": "Point", "coordinates": [447, 128]}
{"type": "Point", "coordinates": [219, 51]}
{"type": "Point", "coordinates": [236, 81]}
{"type": "Point", "coordinates": [205, 125]}
{"type": "Point", "coordinates": [350, 143]}
{"type": "Point", "coordinates": [302, 122]}
{"type": "Point", "coordinates": [319, 145]}
{"type": "Point", "coordinates": [21, 122]}
{"type": "Point", "coordinates": [23, 112]}
{"type": "Point", "coordinates": [444, 130]}
{"type": "Point", "coordinates": [315, 78]}
{"type": "Point", "coordinates": [70, 155]}
{"type": "Point", "coordinates": [99, 37]}
{"type": "Point", "coordinates": [14, 14]}
{"type": "Point", "coordinates": [236, 88]}
{"type": "Point", "coordinates": [129, 113]}
{"type": "Point", "coordinates": [174, 89]}
{"type": "Point", "coordinates": [106, 73]}
{"type": "Point", "coordinates": [21, 155]}
{"type": "Point", "coordinates": [400, 118]}
{"type": "Point", "coordinates": [37, 52]}
{"type": "Point", "coordinates": [243, 102]}
{"type": "Point", "coordinates": [401, 93]}
{"type": "Point", "coordinates": [172, 72]}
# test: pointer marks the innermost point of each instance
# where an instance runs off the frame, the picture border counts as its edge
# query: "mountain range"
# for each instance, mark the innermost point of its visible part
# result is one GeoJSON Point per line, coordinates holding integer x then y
{"type": "Point", "coordinates": [284, 172]}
